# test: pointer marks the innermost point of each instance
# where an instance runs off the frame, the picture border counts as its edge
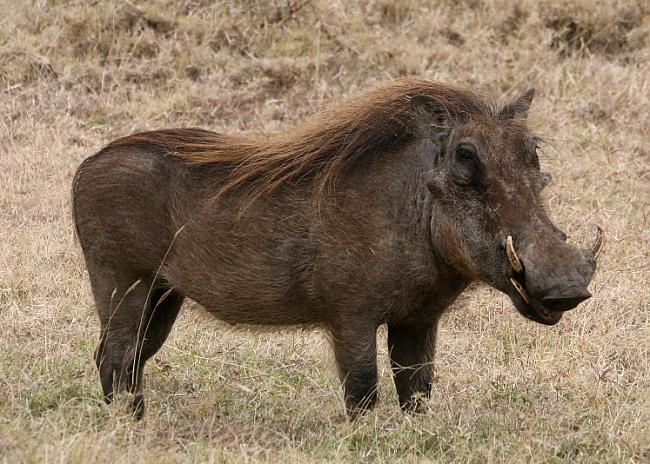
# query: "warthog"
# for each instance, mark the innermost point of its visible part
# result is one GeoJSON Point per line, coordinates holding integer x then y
{"type": "Point", "coordinates": [379, 210]}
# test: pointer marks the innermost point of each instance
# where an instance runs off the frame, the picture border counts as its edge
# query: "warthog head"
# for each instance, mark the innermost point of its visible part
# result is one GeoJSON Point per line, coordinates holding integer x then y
{"type": "Point", "coordinates": [489, 219]}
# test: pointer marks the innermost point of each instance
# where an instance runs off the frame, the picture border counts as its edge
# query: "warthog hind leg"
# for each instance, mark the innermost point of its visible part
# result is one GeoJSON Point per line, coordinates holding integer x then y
{"type": "Point", "coordinates": [135, 321]}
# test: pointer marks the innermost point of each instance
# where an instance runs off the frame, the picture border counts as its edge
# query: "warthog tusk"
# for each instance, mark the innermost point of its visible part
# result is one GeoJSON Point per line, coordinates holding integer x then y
{"type": "Point", "coordinates": [598, 244]}
{"type": "Point", "coordinates": [520, 290]}
{"type": "Point", "coordinates": [512, 256]}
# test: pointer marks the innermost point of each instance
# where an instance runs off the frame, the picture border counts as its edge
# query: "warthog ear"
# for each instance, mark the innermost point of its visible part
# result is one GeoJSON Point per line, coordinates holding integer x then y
{"type": "Point", "coordinates": [433, 117]}
{"type": "Point", "coordinates": [518, 109]}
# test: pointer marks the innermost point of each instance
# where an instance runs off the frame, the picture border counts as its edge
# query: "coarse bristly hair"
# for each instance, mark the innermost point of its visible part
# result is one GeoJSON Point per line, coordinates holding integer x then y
{"type": "Point", "coordinates": [324, 146]}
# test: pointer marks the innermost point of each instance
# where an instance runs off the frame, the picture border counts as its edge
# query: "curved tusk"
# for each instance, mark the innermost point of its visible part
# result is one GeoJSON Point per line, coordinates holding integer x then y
{"type": "Point", "coordinates": [598, 244]}
{"type": "Point", "coordinates": [520, 290]}
{"type": "Point", "coordinates": [512, 256]}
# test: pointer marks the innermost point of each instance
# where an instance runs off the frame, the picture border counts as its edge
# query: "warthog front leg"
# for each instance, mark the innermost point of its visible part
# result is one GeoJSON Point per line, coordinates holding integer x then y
{"type": "Point", "coordinates": [355, 349]}
{"type": "Point", "coordinates": [411, 355]}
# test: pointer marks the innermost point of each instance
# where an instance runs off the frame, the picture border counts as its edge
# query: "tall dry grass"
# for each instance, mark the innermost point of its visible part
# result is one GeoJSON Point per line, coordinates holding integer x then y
{"type": "Point", "coordinates": [75, 74]}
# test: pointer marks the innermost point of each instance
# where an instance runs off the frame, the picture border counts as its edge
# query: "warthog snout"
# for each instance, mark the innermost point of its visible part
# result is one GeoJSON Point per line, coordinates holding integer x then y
{"type": "Point", "coordinates": [551, 277]}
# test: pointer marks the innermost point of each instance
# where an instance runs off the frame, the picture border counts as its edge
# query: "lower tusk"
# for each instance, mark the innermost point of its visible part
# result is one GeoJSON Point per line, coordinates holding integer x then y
{"type": "Point", "coordinates": [598, 244]}
{"type": "Point", "coordinates": [520, 290]}
{"type": "Point", "coordinates": [512, 256]}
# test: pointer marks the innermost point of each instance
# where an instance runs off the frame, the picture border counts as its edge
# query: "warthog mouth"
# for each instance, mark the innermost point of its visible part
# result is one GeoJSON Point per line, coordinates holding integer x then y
{"type": "Point", "coordinates": [527, 306]}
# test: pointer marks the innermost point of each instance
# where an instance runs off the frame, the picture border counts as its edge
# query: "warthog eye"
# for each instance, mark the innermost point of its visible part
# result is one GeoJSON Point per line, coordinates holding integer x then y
{"type": "Point", "coordinates": [466, 168]}
{"type": "Point", "coordinates": [465, 152]}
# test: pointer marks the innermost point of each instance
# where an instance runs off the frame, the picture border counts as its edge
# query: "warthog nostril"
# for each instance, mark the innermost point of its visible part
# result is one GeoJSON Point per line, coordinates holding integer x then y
{"type": "Point", "coordinates": [565, 299]}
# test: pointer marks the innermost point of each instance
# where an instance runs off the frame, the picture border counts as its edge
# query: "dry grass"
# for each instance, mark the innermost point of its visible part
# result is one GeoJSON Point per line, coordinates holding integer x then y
{"type": "Point", "coordinates": [74, 75]}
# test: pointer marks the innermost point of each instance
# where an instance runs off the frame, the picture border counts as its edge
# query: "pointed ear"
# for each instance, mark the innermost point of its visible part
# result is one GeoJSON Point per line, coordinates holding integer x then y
{"type": "Point", "coordinates": [518, 109]}
{"type": "Point", "coordinates": [432, 116]}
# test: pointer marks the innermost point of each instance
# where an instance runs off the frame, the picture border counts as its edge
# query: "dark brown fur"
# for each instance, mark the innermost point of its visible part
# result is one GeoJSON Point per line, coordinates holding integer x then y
{"type": "Point", "coordinates": [403, 225]}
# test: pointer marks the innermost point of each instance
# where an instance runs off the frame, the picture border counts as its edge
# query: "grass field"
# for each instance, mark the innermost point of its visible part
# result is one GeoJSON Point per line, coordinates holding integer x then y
{"type": "Point", "coordinates": [75, 75]}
